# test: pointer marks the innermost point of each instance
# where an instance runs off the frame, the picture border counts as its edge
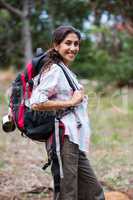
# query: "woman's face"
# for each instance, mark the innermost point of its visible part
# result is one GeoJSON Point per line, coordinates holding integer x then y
{"type": "Point", "coordinates": [68, 48]}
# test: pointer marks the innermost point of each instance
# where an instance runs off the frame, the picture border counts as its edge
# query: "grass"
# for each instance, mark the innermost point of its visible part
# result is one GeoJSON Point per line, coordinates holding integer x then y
{"type": "Point", "coordinates": [112, 138]}
{"type": "Point", "coordinates": [111, 142]}
{"type": "Point", "coordinates": [2, 164]}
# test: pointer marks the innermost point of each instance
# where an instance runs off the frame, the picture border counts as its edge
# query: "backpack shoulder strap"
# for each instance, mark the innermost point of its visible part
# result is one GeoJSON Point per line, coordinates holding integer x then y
{"type": "Point", "coordinates": [72, 85]}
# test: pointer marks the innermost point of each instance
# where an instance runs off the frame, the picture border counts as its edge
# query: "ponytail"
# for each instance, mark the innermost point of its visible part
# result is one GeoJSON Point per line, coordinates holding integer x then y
{"type": "Point", "coordinates": [52, 57]}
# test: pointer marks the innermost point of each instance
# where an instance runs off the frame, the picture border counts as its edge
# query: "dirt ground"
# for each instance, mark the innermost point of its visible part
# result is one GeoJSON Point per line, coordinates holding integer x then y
{"type": "Point", "coordinates": [21, 162]}
{"type": "Point", "coordinates": [21, 176]}
{"type": "Point", "coordinates": [20, 168]}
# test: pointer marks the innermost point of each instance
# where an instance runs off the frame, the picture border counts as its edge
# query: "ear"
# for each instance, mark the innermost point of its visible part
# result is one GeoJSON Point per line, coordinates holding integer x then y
{"type": "Point", "coordinates": [56, 46]}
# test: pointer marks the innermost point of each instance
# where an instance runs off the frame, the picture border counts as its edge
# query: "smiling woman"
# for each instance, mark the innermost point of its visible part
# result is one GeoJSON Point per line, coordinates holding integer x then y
{"type": "Point", "coordinates": [75, 179]}
{"type": "Point", "coordinates": [68, 48]}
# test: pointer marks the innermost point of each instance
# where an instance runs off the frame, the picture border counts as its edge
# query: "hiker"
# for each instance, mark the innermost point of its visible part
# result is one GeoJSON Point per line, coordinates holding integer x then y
{"type": "Point", "coordinates": [54, 93]}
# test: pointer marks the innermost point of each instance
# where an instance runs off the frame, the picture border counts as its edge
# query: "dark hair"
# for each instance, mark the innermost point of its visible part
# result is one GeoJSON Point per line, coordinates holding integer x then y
{"type": "Point", "coordinates": [62, 31]}
{"type": "Point", "coordinates": [57, 37]}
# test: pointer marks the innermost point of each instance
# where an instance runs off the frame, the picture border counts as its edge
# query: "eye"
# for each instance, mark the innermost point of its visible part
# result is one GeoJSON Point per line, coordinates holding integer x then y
{"type": "Point", "coordinates": [68, 42]}
{"type": "Point", "coordinates": [76, 44]}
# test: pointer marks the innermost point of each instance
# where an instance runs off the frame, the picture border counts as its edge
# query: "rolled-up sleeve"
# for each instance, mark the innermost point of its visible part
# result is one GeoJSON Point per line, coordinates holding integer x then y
{"type": "Point", "coordinates": [47, 87]}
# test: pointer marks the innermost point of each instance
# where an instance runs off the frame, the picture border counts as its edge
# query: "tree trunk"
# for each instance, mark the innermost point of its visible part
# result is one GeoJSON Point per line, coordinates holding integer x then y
{"type": "Point", "coordinates": [26, 33]}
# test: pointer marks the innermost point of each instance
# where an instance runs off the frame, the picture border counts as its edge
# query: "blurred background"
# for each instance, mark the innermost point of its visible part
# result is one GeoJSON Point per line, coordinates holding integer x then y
{"type": "Point", "coordinates": [105, 67]}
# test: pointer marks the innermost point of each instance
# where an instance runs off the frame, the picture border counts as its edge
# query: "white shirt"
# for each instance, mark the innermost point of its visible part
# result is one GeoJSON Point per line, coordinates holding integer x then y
{"type": "Point", "coordinates": [54, 86]}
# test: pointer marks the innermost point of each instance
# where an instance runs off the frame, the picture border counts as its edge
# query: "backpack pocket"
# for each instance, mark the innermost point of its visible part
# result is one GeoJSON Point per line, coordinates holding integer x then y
{"type": "Point", "coordinates": [39, 125]}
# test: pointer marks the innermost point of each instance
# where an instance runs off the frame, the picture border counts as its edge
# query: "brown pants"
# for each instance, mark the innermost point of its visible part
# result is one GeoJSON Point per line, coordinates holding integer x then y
{"type": "Point", "coordinates": [79, 182]}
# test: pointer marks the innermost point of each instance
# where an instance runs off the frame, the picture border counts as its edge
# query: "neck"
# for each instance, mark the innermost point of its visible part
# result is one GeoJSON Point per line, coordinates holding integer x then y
{"type": "Point", "coordinates": [67, 64]}
{"type": "Point", "coordinates": [64, 63]}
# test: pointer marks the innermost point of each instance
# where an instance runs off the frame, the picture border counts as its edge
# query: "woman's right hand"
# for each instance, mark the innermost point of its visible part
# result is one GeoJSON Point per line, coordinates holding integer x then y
{"type": "Point", "coordinates": [77, 97]}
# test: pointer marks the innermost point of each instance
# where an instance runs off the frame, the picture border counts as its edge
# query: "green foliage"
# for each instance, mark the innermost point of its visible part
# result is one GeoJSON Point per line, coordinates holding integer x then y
{"type": "Point", "coordinates": [109, 60]}
{"type": "Point", "coordinates": [67, 12]}
{"type": "Point", "coordinates": [116, 7]}
{"type": "Point", "coordinates": [44, 17]}
{"type": "Point", "coordinates": [9, 40]}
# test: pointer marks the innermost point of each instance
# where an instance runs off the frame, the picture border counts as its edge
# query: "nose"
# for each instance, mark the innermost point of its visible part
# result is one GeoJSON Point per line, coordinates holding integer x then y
{"type": "Point", "coordinates": [73, 47]}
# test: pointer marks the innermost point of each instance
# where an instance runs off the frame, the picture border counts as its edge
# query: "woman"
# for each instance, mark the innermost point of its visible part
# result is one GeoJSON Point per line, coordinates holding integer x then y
{"type": "Point", "coordinates": [54, 93]}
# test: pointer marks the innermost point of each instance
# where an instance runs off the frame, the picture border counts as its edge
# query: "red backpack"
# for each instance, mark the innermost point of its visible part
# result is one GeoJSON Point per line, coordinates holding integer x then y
{"type": "Point", "coordinates": [37, 125]}
{"type": "Point", "coordinates": [22, 88]}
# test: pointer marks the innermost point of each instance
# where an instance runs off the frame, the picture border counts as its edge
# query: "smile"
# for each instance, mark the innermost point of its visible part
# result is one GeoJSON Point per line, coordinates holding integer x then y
{"type": "Point", "coordinates": [71, 54]}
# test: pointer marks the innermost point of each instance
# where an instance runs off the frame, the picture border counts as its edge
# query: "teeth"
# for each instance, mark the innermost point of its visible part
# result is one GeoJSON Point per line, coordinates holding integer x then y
{"type": "Point", "coordinates": [71, 54]}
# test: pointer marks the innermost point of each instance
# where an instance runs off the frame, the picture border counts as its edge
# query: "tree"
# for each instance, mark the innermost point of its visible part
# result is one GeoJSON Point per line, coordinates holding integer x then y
{"type": "Point", "coordinates": [72, 12]}
{"type": "Point", "coordinates": [23, 15]}
{"type": "Point", "coordinates": [123, 8]}
{"type": "Point", "coordinates": [36, 24]}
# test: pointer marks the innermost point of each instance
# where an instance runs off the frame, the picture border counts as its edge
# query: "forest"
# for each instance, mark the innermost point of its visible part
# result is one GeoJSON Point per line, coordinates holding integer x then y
{"type": "Point", "coordinates": [104, 65]}
{"type": "Point", "coordinates": [106, 26]}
